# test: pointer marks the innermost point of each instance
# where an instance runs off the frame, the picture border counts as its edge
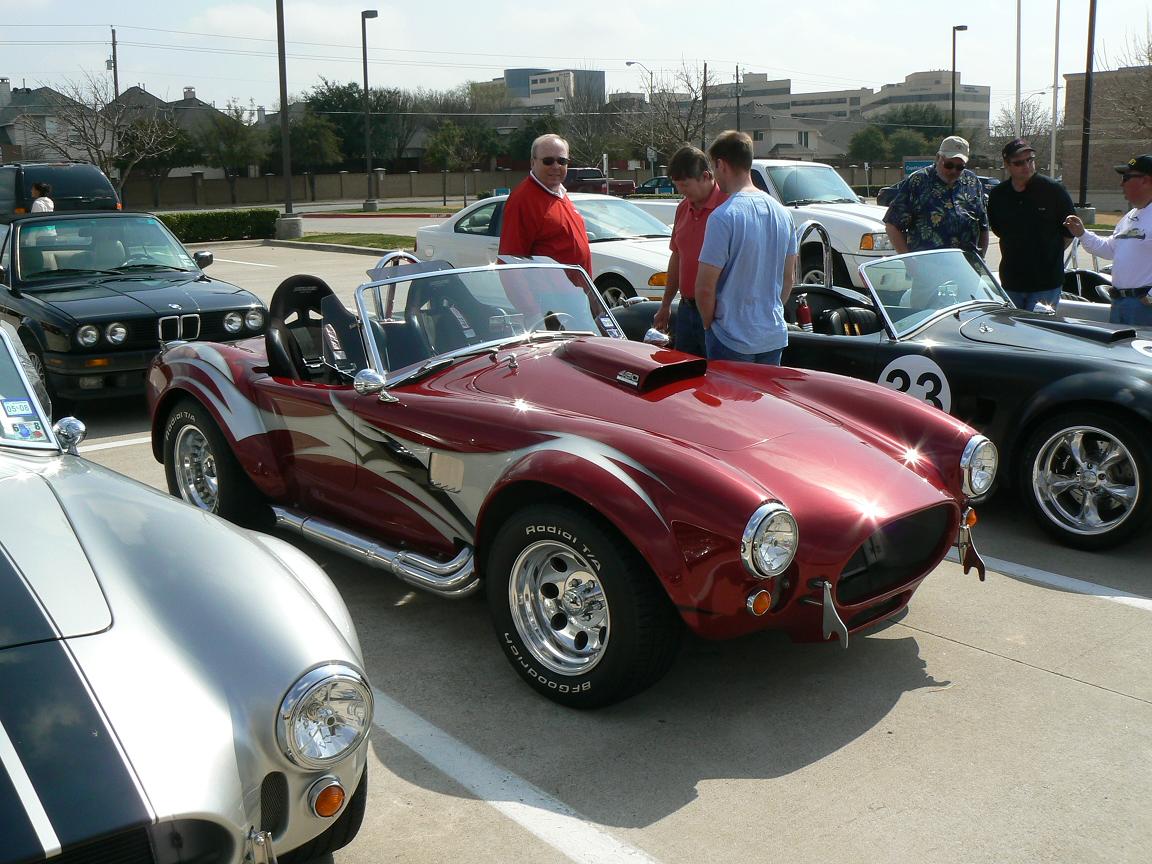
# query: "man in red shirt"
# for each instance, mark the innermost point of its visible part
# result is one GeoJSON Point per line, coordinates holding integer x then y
{"type": "Point", "coordinates": [693, 179]}
{"type": "Point", "coordinates": [539, 217]}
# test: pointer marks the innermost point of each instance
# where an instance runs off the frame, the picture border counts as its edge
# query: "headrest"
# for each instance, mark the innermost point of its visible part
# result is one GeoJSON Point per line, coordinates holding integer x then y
{"type": "Point", "coordinates": [299, 294]}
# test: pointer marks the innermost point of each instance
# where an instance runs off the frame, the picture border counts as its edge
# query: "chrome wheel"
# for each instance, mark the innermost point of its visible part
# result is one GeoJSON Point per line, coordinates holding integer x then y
{"type": "Point", "coordinates": [559, 607]}
{"type": "Point", "coordinates": [1086, 480]}
{"type": "Point", "coordinates": [196, 475]}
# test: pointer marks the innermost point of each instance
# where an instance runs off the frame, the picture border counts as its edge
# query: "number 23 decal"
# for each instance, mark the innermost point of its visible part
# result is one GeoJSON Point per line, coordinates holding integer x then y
{"type": "Point", "coordinates": [919, 377]}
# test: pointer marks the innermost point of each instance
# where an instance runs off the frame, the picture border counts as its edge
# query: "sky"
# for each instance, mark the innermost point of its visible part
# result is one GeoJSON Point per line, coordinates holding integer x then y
{"type": "Point", "coordinates": [227, 51]}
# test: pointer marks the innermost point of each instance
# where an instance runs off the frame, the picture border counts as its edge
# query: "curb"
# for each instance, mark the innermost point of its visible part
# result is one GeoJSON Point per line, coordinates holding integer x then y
{"type": "Point", "coordinates": [375, 215]}
{"type": "Point", "coordinates": [332, 247]}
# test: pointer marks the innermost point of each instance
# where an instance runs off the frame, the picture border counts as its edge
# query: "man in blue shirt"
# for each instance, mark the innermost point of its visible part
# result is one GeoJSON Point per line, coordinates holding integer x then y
{"type": "Point", "coordinates": [941, 206]}
{"type": "Point", "coordinates": [747, 262]}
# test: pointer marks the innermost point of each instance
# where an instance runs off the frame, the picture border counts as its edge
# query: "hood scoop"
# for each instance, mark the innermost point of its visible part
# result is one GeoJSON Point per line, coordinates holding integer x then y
{"type": "Point", "coordinates": [634, 365]}
{"type": "Point", "coordinates": [1103, 333]}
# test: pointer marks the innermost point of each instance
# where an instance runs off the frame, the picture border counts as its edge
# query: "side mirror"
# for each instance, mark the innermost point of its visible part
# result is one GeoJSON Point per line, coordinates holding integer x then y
{"type": "Point", "coordinates": [69, 432]}
{"type": "Point", "coordinates": [203, 259]}
{"type": "Point", "coordinates": [368, 382]}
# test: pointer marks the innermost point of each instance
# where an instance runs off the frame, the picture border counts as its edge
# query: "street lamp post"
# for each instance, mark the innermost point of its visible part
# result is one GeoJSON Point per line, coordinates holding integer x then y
{"type": "Point", "coordinates": [370, 202]}
{"type": "Point", "coordinates": [955, 29]}
{"type": "Point", "coordinates": [651, 154]}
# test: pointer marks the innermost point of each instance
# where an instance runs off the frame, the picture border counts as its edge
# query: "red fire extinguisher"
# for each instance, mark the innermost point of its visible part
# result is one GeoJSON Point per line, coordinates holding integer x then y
{"type": "Point", "coordinates": [803, 313]}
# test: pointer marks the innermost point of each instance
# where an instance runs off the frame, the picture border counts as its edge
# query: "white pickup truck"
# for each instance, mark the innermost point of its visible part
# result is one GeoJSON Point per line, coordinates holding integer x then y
{"type": "Point", "coordinates": [814, 191]}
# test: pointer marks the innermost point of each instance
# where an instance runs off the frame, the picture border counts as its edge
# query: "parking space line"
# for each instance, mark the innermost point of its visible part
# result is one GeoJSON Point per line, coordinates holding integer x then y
{"type": "Point", "coordinates": [249, 263]}
{"type": "Point", "coordinates": [1065, 583]}
{"type": "Point", "coordinates": [127, 442]}
{"type": "Point", "coordinates": [550, 820]}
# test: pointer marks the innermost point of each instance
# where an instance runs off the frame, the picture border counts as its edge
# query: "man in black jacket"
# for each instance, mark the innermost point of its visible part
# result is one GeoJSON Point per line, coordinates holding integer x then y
{"type": "Point", "coordinates": [1027, 213]}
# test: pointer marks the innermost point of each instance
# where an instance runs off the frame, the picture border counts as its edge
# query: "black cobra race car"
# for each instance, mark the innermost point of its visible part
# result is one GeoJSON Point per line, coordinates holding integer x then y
{"type": "Point", "coordinates": [93, 296]}
{"type": "Point", "coordinates": [1067, 402]}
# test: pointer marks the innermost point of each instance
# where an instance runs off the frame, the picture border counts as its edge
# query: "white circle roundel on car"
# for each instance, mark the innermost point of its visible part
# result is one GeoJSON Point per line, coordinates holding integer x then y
{"type": "Point", "coordinates": [1144, 346]}
{"type": "Point", "coordinates": [920, 377]}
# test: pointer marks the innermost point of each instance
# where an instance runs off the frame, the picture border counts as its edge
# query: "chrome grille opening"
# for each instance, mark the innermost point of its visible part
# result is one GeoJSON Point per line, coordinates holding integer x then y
{"type": "Point", "coordinates": [896, 554]}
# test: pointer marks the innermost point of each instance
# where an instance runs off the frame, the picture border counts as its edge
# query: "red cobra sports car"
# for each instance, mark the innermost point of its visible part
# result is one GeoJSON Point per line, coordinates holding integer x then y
{"type": "Point", "coordinates": [491, 427]}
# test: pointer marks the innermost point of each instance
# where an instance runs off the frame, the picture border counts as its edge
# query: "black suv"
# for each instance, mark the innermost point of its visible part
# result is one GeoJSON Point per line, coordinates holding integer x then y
{"type": "Point", "coordinates": [75, 186]}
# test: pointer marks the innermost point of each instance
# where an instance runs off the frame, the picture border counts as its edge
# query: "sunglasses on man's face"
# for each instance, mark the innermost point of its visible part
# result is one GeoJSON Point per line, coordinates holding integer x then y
{"type": "Point", "coordinates": [1020, 162]}
{"type": "Point", "coordinates": [952, 166]}
{"type": "Point", "coordinates": [552, 160]}
{"type": "Point", "coordinates": [1124, 178]}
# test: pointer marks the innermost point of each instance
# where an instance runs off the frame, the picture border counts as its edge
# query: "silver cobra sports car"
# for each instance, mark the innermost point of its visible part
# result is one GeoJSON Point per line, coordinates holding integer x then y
{"type": "Point", "coordinates": [172, 688]}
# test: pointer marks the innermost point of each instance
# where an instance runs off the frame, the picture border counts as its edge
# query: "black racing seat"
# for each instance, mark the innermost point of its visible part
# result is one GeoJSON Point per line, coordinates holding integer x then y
{"type": "Point", "coordinates": [847, 321]}
{"type": "Point", "coordinates": [293, 340]}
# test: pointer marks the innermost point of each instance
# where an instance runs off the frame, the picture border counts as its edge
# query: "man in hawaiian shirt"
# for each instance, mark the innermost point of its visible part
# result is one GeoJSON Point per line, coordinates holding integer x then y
{"type": "Point", "coordinates": [941, 206]}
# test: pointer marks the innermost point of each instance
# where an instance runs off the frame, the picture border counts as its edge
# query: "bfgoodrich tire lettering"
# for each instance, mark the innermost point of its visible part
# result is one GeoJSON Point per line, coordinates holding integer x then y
{"type": "Point", "coordinates": [1086, 476]}
{"type": "Point", "coordinates": [201, 469]}
{"type": "Point", "coordinates": [579, 615]}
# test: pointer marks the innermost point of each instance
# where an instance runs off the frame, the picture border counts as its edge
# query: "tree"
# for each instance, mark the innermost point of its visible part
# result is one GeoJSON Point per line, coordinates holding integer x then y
{"type": "Point", "coordinates": [869, 144]}
{"type": "Point", "coordinates": [592, 128]}
{"type": "Point", "coordinates": [1130, 101]}
{"type": "Point", "coordinates": [674, 115]}
{"type": "Point", "coordinates": [926, 120]}
{"type": "Point", "coordinates": [519, 144]}
{"type": "Point", "coordinates": [231, 143]}
{"type": "Point", "coordinates": [92, 124]}
{"type": "Point", "coordinates": [907, 142]}
{"type": "Point", "coordinates": [313, 141]}
{"type": "Point", "coordinates": [444, 146]}
{"type": "Point", "coordinates": [157, 167]}
{"type": "Point", "coordinates": [1035, 125]}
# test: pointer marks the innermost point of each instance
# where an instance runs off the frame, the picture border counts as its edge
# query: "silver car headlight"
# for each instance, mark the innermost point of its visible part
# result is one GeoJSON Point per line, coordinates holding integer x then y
{"type": "Point", "coordinates": [116, 333]}
{"type": "Point", "coordinates": [233, 321]}
{"type": "Point", "coordinates": [254, 319]}
{"type": "Point", "coordinates": [978, 466]}
{"type": "Point", "coordinates": [879, 242]}
{"type": "Point", "coordinates": [88, 335]}
{"type": "Point", "coordinates": [325, 716]}
{"type": "Point", "coordinates": [770, 541]}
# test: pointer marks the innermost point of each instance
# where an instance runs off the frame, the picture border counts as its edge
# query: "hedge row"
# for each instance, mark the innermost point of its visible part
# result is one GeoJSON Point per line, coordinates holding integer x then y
{"type": "Point", "coordinates": [203, 227]}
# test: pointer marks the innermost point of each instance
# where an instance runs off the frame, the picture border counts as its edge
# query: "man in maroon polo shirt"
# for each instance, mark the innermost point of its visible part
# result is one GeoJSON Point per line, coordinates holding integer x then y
{"type": "Point", "coordinates": [539, 217]}
{"type": "Point", "coordinates": [693, 179]}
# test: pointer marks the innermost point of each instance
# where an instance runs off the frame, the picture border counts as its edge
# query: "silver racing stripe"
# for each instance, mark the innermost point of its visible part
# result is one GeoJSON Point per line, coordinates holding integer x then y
{"type": "Point", "coordinates": [26, 795]}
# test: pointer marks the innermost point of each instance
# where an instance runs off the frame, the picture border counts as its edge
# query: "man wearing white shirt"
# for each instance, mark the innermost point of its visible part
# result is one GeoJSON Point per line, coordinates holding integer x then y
{"type": "Point", "coordinates": [1129, 247]}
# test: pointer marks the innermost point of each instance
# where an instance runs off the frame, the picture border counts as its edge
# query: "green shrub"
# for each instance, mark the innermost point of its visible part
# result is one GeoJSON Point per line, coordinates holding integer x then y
{"type": "Point", "coordinates": [206, 226]}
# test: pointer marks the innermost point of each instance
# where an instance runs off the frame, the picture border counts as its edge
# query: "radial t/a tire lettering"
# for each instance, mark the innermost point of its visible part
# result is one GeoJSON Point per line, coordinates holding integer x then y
{"type": "Point", "coordinates": [578, 613]}
{"type": "Point", "coordinates": [1086, 475]}
{"type": "Point", "coordinates": [201, 469]}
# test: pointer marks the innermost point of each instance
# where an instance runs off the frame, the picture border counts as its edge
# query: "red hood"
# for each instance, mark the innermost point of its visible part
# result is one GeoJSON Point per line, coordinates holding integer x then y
{"type": "Point", "coordinates": [661, 392]}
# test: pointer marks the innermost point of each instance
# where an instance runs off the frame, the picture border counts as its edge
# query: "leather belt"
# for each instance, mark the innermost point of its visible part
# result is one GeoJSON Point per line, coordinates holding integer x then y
{"type": "Point", "coordinates": [1130, 292]}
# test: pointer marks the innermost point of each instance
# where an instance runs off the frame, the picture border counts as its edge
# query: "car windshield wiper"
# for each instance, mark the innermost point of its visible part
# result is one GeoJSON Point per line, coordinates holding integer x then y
{"type": "Point", "coordinates": [801, 202]}
{"type": "Point", "coordinates": [69, 271]}
{"type": "Point", "coordinates": [128, 267]}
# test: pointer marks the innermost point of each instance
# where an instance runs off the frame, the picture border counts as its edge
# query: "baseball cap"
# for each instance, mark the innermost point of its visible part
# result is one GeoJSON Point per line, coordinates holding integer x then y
{"type": "Point", "coordinates": [1015, 146]}
{"type": "Point", "coordinates": [1137, 165]}
{"type": "Point", "coordinates": [954, 147]}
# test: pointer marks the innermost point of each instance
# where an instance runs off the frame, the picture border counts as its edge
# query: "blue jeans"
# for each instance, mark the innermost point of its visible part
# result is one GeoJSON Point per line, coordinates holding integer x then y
{"type": "Point", "coordinates": [689, 334]}
{"type": "Point", "coordinates": [1029, 299]}
{"type": "Point", "coordinates": [717, 350]}
{"type": "Point", "coordinates": [1129, 310]}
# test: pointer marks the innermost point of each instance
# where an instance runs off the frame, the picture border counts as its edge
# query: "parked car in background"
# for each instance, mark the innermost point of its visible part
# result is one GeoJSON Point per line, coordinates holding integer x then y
{"type": "Point", "coordinates": [93, 296]}
{"type": "Point", "coordinates": [629, 247]}
{"type": "Point", "coordinates": [490, 429]}
{"type": "Point", "coordinates": [75, 186]}
{"type": "Point", "coordinates": [594, 180]}
{"type": "Point", "coordinates": [661, 185]}
{"type": "Point", "coordinates": [175, 689]}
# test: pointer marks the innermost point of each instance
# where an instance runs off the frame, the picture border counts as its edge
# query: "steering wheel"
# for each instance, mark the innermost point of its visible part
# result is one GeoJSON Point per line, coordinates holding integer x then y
{"type": "Point", "coordinates": [557, 317]}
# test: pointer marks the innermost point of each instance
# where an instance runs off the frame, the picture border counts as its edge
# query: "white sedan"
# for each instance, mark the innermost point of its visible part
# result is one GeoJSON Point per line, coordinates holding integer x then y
{"type": "Point", "coordinates": [629, 247]}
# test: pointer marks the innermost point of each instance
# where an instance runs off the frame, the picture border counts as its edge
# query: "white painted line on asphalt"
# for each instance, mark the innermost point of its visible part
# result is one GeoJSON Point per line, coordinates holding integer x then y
{"type": "Point", "coordinates": [127, 442]}
{"type": "Point", "coordinates": [1066, 583]}
{"type": "Point", "coordinates": [249, 263]}
{"type": "Point", "coordinates": [534, 810]}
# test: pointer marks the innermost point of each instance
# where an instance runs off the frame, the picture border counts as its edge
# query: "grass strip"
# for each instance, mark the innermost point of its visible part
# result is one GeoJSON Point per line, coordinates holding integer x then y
{"type": "Point", "coordinates": [371, 241]}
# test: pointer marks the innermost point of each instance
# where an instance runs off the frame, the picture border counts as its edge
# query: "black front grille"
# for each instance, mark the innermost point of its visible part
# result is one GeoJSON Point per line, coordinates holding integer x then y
{"type": "Point", "coordinates": [274, 803]}
{"type": "Point", "coordinates": [131, 847]}
{"type": "Point", "coordinates": [899, 552]}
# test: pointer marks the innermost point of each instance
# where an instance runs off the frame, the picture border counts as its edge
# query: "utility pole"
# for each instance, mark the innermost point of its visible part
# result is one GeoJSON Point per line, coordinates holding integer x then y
{"type": "Point", "coordinates": [285, 138]}
{"type": "Point", "coordinates": [1086, 135]}
{"type": "Point", "coordinates": [737, 97]}
{"type": "Point", "coordinates": [704, 111]}
{"type": "Point", "coordinates": [115, 68]}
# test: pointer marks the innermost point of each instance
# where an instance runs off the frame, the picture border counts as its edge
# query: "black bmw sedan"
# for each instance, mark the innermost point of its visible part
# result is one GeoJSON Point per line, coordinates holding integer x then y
{"type": "Point", "coordinates": [93, 297]}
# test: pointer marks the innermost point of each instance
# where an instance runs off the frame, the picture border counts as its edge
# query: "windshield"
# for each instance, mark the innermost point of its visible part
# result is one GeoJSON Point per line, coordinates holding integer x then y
{"type": "Point", "coordinates": [614, 219]}
{"type": "Point", "coordinates": [914, 288]}
{"type": "Point", "coordinates": [22, 421]}
{"type": "Point", "coordinates": [807, 184]}
{"type": "Point", "coordinates": [411, 320]}
{"type": "Point", "coordinates": [49, 249]}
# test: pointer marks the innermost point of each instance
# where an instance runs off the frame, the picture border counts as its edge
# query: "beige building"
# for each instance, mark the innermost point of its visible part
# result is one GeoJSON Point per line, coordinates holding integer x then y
{"type": "Point", "coordinates": [973, 101]}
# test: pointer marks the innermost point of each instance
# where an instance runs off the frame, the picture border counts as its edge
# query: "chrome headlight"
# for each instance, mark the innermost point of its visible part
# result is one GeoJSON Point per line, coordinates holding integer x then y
{"type": "Point", "coordinates": [325, 716]}
{"type": "Point", "coordinates": [978, 466]}
{"type": "Point", "coordinates": [879, 242]}
{"type": "Point", "coordinates": [88, 335]}
{"type": "Point", "coordinates": [233, 321]}
{"type": "Point", "coordinates": [770, 540]}
{"type": "Point", "coordinates": [254, 319]}
{"type": "Point", "coordinates": [116, 333]}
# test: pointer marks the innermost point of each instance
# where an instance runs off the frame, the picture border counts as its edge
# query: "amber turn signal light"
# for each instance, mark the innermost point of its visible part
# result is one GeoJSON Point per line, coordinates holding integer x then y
{"type": "Point", "coordinates": [327, 798]}
{"type": "Point", "coordinates": [970, 517]}
{"type": "Point", "coordinates": [759, 602]}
